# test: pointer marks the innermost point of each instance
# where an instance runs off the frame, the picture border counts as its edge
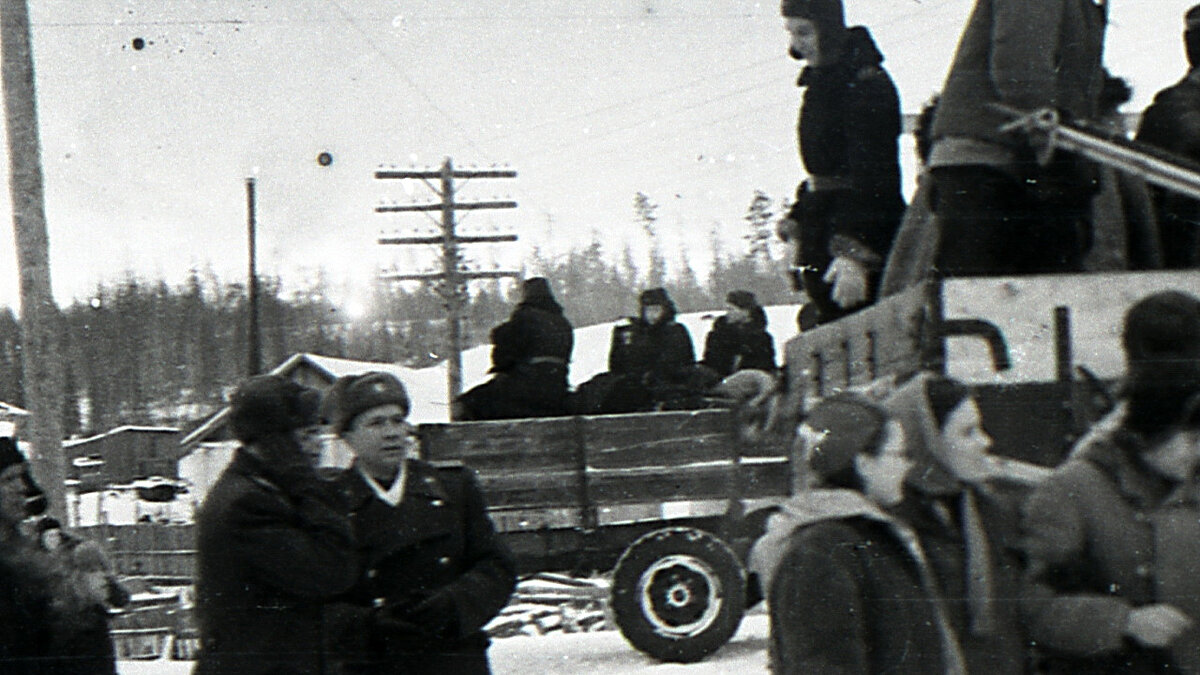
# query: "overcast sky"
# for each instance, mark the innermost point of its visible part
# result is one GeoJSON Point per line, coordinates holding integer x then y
{"type": "Point", "coordinates": [691, 101]}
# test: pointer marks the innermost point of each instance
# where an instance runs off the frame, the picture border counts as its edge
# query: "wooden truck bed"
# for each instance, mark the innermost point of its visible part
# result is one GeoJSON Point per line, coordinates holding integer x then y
{"type": "Point", "coordinates": [574, 491]}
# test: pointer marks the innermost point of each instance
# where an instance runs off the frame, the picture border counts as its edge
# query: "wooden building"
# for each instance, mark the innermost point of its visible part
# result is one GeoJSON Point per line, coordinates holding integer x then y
{"type": "Point", "coordinates": [128, 453]}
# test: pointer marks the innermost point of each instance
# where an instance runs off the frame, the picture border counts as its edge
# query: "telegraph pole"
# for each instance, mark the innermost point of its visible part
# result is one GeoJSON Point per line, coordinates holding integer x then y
{"type": "Point", "coordinates": [453, 278]}
{"type": "Point", "coordinates": [40, 354]}
{"type": "Point", "coordinates": [254, 354]}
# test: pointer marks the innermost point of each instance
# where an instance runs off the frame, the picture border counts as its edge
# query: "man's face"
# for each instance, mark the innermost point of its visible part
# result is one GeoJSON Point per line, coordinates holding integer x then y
{"type": "Point", "coordinates": [653, 313]}
{"type": "Point", "coordinates": [382, 438]}
{"type": "Point", "coordinates": [804, 45]}
{"type": "Point", "coordinates": [12, 494]}
{"type": "Point", "coordinates": [312, 442]}
{"type": "Point", "coordinates": [735, 314]}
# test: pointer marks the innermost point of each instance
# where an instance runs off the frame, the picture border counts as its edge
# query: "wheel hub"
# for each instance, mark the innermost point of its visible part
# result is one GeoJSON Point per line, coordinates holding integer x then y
{"type": "Point", "coordinates": [680, 596]}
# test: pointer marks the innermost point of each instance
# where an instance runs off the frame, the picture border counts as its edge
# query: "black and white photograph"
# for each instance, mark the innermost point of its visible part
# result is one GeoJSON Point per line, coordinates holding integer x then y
{"type": "Point", "coordinates": [382, 337]}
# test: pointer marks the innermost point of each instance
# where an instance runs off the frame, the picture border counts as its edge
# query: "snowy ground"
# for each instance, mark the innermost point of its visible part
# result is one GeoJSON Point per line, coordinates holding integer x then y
{"type": "Point", "coordinates": [599, 653]}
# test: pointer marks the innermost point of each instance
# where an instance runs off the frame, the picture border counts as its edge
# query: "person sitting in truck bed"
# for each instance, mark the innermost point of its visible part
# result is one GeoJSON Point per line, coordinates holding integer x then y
{"type": "Point", "coordinates": [653, 349]}
{"type": "Point", "coordinates": [530, 355]}
{"type": "Point", "coordinates": [739, 340]}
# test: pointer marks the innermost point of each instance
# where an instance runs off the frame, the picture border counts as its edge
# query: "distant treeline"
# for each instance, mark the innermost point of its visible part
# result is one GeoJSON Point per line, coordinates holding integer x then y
{"type": "Point", "coordinates": [142, 351]}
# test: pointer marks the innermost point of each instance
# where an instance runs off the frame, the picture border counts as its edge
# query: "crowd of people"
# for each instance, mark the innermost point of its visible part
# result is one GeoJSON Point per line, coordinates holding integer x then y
{"type": "Point", "coordinates": [652, 361]}
{"type": "Point", "coordinates": [901, 549]}
{"type": "Point", "coordinates": [904, 549]}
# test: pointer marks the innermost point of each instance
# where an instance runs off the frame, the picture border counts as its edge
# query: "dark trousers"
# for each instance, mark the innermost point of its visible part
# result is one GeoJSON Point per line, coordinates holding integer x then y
{"type": "Point", "coordinates": [993, 224]}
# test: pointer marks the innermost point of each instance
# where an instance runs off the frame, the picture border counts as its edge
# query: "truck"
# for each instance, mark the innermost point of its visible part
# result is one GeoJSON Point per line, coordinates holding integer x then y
{"type": "Point", "coordinates": [671, 502]}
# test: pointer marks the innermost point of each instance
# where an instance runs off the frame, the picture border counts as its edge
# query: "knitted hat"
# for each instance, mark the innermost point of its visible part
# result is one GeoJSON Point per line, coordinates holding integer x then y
{"type": "Point", "coordinates": [271, 404]}
{"type": "Point", "coordinates": [825, 14]}
{"type": "Point", "coordinates": [1161, 337]}
{"type": "Point", "coordinates": [353, 395]}
{"type": "Point", "coordinates": [845, 425]}
{"type": "Point", "coordinates": [743, 299]}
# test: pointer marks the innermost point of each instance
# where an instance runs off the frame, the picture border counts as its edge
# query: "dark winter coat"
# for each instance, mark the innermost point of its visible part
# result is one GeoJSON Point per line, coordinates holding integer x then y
{"type": "Point", "coordinates": [658, 355]}
{"type": "Point", "coordinates": [1105, 535]}
{"type": "Point", "coordinates": [267, 561]}
{"type": "Point", "coordinates": [530, 356]}
{"type": "Point", "coordinates": [1025, 54]}
{"type": "Point", "coordinates": [849, 591]}
{"type": "Point", "coordinates": [733, 346]}
{"type": "Point", "coordinates": [438, 542]}
{"type": "Point", "coordinates": [26, 597]}
{"type": "Point", "coordinates": [848, 134]}
{"type": "Point", "coordinates": [1172, 122]}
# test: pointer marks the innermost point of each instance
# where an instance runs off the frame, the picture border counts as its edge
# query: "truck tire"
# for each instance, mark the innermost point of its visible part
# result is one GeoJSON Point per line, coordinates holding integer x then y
{"type": "Point", "coordinates": [678, 594]}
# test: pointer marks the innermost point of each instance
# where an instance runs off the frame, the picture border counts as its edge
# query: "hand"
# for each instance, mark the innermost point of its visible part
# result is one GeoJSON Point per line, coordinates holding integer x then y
{"type": "Point", "coordinates": [437, 615]}
{"type": "Point", "coordinates": [849, 280]}
{"type": "Point", "coordinates": [1157, 625]}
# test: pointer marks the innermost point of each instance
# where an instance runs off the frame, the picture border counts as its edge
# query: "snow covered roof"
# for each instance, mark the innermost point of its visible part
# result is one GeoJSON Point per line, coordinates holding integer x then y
{"type": "Point", "coordinates": [120, 430]}
{"type": "Point", "coordinates": [10, 410]}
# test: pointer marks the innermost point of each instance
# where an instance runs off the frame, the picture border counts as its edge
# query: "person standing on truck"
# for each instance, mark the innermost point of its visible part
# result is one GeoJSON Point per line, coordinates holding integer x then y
{"type": "Point", "coordinates": [530, 355]}
{"type": "Point", "coordinates": [848, 585]}
{"type": "Point", "coordinates": [739, 340]}
{"type": "Point", "coordinates": [848, 208]}
{"type": "Point", "coordinates": [274, 541]}
{"type": "Point", "coordinates": [434, 569]}
{"type": "Point", "coordinates": [1000, 210]}
{"type": "Point", "coordinates": [964, 519]}
{"type": "Point", "coordinates": [1172, 122]}
{"type": "Point", "coordinates": [1113, 536]}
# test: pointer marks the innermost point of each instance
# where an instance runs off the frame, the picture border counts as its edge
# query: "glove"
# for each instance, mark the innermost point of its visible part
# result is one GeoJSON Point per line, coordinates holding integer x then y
{"type": "Point", "coordinates": [436, 615]}
{"type": "Point", "coordinates": [848, 277]}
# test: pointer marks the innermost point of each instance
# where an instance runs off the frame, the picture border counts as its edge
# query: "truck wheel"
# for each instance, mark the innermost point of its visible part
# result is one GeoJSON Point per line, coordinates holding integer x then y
{"type": "Point", "coordinates": [678, 594]}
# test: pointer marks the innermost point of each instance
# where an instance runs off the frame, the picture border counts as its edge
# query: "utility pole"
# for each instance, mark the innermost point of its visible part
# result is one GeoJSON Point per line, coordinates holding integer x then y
{"type": "Point", "coordinates": [254, 348]}
{"type": "Point", "coordinates": [40, 354]}
{"type": "Point", "coordinates": [452, 280]}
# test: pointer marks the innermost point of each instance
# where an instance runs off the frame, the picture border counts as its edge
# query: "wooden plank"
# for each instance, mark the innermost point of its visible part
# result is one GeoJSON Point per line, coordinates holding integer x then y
{"type": "Point", "coordinates": [513, 445]}
{"type": "Point", "coordinates": [709, 481]}
{"type": "Point", "coordinates": [663, 440]}
{"type": "Point", "coordinates": [531, 489]}
{"type": "Point", "coordinates": [880, 340]}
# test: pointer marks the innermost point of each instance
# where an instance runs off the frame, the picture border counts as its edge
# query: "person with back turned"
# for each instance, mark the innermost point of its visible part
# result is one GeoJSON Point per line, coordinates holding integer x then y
{"type": "Point", "coordinates": [274, 540]}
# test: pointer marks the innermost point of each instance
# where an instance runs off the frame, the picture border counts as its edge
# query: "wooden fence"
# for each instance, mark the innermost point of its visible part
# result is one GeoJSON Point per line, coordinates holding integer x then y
{"type": "Point", "coordinates": [164, 552]}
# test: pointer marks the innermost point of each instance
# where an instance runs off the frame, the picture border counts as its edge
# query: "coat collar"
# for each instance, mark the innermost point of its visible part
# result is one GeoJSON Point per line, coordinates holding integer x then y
{"type": "Point", "coordinates": [1115, 454]}
{"type": "Point", "coordinates": [422, 480]}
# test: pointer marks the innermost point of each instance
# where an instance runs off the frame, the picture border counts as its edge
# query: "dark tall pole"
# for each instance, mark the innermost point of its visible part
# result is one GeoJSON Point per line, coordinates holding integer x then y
{"type": "Point", "coordinates": [40, 355]}
{"type": "Point", "coordinates": [254, 364]}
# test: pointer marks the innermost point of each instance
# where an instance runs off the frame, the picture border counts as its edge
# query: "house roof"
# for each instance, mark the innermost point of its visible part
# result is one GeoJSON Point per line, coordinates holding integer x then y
{"type": "Point", "coordinates": [327, 367]}
{"type": "Point", "coordinates": [10, 410]}
{"type": "Point", "coordinates": [128, 428]}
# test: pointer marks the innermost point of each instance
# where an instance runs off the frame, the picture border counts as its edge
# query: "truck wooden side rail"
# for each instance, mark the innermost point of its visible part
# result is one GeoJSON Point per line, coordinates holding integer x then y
{"type": "Point", "coordinates": [670, 498]}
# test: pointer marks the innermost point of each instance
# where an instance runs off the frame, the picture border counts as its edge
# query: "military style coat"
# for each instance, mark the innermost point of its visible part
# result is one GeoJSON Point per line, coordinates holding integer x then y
{"type": "Point", "coordinates": [438, 540]}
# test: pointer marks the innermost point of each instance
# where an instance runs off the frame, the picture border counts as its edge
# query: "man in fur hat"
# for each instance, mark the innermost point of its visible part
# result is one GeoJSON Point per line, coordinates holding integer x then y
{"type": "Point", "coordinates": [274, 540]}
{"type": "Point", "coordinates": [1172, 123]}
{"type": "Point", "coordinates": [530, 356]}
{"type": "Point", "coordinates": [434, 569]}
{"type": "Point", "coordinates": [848, 208]}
